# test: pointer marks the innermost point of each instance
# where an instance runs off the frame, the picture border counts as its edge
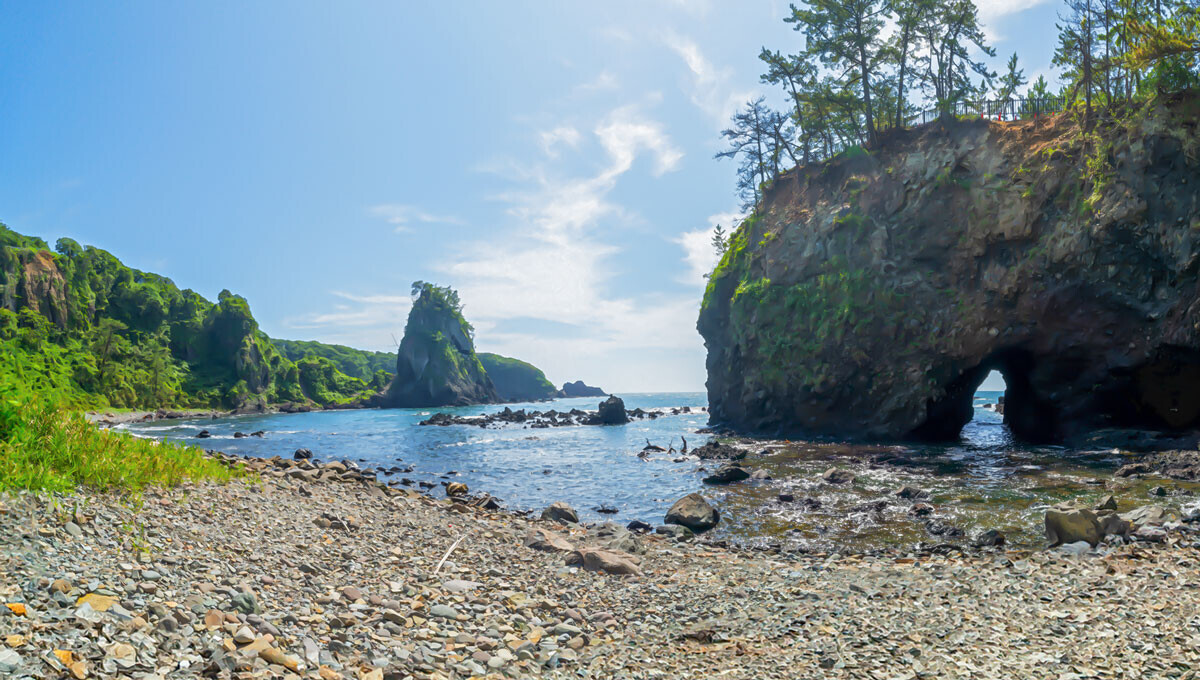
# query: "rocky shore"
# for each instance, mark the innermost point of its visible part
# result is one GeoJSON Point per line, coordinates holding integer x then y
{"type": "Point", "coordinates": [320, 572]}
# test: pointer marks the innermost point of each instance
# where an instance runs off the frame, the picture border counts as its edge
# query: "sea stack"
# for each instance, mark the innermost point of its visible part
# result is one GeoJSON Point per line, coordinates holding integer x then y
{"type": "Point", "coordinates": [436, 364]}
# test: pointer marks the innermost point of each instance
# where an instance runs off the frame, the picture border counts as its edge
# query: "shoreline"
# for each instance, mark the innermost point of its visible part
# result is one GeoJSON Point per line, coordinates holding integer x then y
{"type": "Point", "coordinates": [280, 575]}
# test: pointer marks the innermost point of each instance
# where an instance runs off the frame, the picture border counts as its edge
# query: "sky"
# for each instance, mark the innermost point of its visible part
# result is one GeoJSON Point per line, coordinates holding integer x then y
{"type": "Point", "coordinates": [552, 161]}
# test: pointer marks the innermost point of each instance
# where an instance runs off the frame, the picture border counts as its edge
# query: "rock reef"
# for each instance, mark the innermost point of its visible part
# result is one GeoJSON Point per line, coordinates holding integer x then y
{"type": "Point", "coordinates": [871, 294]}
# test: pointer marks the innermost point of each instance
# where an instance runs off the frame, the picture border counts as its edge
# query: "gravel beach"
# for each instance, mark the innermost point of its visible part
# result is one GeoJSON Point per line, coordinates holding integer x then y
{"type": "Point", "coordinates": [318, 572]}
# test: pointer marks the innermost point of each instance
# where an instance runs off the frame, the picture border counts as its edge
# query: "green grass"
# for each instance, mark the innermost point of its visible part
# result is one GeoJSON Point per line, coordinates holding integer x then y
{"type": "Point", "coordinates": [46, 447]}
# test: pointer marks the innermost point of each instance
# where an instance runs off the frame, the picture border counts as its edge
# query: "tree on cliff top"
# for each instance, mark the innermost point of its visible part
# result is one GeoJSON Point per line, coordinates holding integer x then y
{"type": "Point", "coordinates": [444, 295]}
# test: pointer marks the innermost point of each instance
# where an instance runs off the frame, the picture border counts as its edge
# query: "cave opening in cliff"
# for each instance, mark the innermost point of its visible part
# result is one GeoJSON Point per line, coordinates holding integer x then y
{"type": "Point", "coordinates": [1027, 417]}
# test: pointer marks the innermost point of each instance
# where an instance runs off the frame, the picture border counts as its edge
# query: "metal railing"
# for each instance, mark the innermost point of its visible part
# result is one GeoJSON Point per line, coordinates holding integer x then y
{"type": "Point", "coordinates": [1004, 110]}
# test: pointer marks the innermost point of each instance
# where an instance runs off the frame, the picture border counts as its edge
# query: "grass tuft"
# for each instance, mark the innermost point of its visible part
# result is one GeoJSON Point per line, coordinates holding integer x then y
{"type": "Point", "coordinates": [45, 447]}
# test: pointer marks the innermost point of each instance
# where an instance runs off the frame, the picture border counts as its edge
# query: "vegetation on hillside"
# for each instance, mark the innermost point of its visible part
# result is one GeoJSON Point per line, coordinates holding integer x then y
{"type": "Point", "coordinates": [356, 363]}
{"type": "Point", "coordinates": [517, 380]}
{"type": "Point", "coordinates": [82, 329]}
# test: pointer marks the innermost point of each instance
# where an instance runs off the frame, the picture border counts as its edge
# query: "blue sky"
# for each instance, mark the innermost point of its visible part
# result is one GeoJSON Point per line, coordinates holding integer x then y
{"type": "Point", "coordinates": [553, 161]}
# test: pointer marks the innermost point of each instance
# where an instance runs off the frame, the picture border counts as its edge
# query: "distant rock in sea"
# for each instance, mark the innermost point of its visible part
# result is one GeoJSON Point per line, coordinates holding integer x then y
{"type": "Point", "coordinates": [579, 389]}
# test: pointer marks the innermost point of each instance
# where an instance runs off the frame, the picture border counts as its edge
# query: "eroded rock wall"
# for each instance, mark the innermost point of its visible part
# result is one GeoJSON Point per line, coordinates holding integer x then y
{"type": "Point", "coordinates": [872, 293]}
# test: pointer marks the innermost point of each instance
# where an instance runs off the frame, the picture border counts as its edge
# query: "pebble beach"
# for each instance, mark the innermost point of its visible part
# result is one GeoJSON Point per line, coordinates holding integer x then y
{"type": "Point", "coordinates": [300, 571]}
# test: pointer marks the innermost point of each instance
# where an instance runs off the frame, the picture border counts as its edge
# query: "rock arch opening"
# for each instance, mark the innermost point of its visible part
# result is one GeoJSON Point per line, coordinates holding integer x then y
{"type": "Point", "coordinates": [1029, 417]}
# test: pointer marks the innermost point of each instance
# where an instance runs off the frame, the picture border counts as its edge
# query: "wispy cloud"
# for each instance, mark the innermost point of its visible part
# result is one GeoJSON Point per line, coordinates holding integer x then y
{"type": "Point", "coordinates": [402, 216]}
{"type": "Point", "coordinates": [712, 88]}
{"type": "Point", "coordinates": [563, 135]}
{"type": "Point", "coordinates": [557, 266]}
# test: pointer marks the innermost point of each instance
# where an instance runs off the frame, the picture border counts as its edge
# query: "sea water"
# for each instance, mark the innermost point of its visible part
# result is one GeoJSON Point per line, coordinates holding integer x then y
{"type": "Point", "coordinates": [984, 481]}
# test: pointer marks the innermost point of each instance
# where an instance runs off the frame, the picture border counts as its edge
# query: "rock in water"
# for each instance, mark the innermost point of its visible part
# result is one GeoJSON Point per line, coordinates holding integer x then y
{"type": "Point", "coordinates": [612, 412]}
{"type": "Point", "coordinates": [727, 474]}
{"type": "Point", "coordinates": [837, 476]}
{"type": "Point", "coordinates": [580, 389]}
{"type": "Point", "coordinates": [560, 512]}
{"type": "Point", "coordinates": [1085, 303]}
{"type": "Point", "coordinates": [436, 364]}
{"type": "Point", "coordinates": [454, 489]}
{"type": "Point", "coordinates": [1071, 526]}
{"type": "Point", "coordinates": [694, 512]}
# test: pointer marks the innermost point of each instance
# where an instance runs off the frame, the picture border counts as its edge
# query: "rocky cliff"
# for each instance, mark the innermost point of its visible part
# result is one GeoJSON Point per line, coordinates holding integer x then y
{"type": "Point", "coordinates": [871, 294]}
{"type": "Point", "coordinates": [436, 364]}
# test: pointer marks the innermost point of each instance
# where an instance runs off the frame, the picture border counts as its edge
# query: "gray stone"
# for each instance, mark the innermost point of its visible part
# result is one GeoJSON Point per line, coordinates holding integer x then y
{"type": "Point", "coordinates": [560, 512]}
{"type": "Point", "coordinates": [693, 512]}
{"type": "Point", "coordinates": [443, 611]}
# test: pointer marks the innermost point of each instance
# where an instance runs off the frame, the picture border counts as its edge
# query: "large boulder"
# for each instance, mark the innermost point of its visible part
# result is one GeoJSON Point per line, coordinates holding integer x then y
{"type": "Point", "coordinates": [560, 512]}
{"type": "Point", "coordinates": [1071, 526]}
{"type": "Point", "coordinates": [870, 295]}
{"type": "Point", "coordinates": [612, 412]}
{"type": "Point", "coordinates": [547, 541]}
{"type": "Point", "coordinates": [608, 561]}
{"type": "Point", "coordinates": [694, 512]}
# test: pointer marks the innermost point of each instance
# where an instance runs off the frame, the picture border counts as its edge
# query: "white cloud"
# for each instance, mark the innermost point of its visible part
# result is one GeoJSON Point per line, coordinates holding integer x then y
{"type": "Point", "coordinates": [563, 135]}
{"type": "Point", "coordinates": [711, 87]}
{"type": "Point", "coordinates": [557, 267]}
{"type": "Point", "coordinates": [623, 135]}
{"type": "Point", "coordinates": [402, 216]}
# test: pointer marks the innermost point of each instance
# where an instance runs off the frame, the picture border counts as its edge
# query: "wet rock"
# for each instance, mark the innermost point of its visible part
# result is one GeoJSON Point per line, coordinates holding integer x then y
{"type": "Point", "coordinates": [639, 526]}
{"type": "Point", "coordinates": [1071, 526]}
{"type": "Point", "coordinates": [1109, 502]}
{"type": "Point", "coordinates": [456, 489]}
{"type": "Point", "coordinates": [560, 512]}
{"type": "Point", "coordinates": [921, 510]}
{"type": "Point", "coordinates": [693, 512]}
{"type": "Point", "coordinates": [727, 474]}
{"type": "Point", "coordinates": [714, 450]}
{"type": "Point", "coordinates": [939, 528]}
{"type": "Point", "coordinates": [203, 434]}
{"type": "Point", "coordinates": [912, 493]}
{"type": "Point", "coordinates": [302, 454]}
{"type": "Point", "coordinates": [837, 476]}
{"type": "Point", "coordinates": [612, 412]}
{"type": "Point", "coordinates": [988, 539]}
{"type": "Point", "coordinates": [1133, 469]}
{"type": "Point", "coordinates": [786, 497]}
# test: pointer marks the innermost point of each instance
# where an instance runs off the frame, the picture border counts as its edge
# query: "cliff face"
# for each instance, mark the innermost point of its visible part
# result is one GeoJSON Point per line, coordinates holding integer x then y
{"type": "Point", "coordinates": [436, 364]}
{"type": "Point", "coordinates": [873, 293]}
{"type": "Point", "coordinates": [516, 380]}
